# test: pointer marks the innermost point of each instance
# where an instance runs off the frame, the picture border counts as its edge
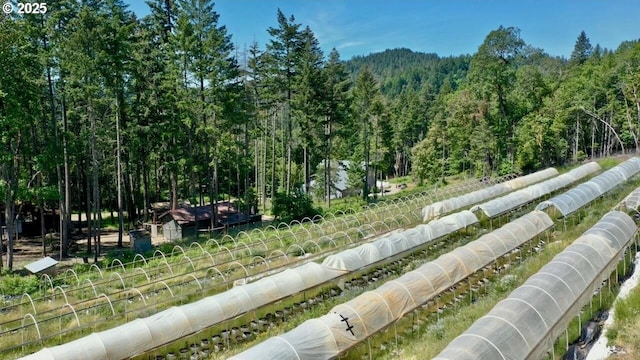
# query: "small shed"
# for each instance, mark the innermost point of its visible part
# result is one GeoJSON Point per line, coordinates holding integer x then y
{"type": "Point", "coordinates": [180, 223]}
{"type": "Point", "coordinates": [140, 240]}
{"type": "Point", "coordinates": [172, 230]}
{"type": "Point", "coordinates": [45, 265]}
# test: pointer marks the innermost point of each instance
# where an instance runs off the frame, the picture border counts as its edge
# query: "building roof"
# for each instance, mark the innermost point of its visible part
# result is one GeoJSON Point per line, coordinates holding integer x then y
{"type": "Point", "coordinates": [162, 206]}
{"type": "Point", "coordinates": [187, 215]}
{"type": "Point", "coordinates": [41, 265]}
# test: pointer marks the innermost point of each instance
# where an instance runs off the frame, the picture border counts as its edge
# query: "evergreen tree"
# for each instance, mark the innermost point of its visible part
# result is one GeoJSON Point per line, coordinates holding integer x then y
{"type": "Point", "coordinates": [582, 50]}
{"type": "Point", "coordinates": [308, 102]}
{"type": "Point", "coordinates": [117, 28]}
{"type": "Point", "coordinates": [19, 108]}
{"type": "Point", "coordinates": [282, 61]}
{"type": "Point", "coordinates": [366, 93]}
{"type": "Point", "coordinates": [336, 107]}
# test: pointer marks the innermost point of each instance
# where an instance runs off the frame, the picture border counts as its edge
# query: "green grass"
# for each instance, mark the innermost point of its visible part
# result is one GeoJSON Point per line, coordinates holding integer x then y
{"type": "Point", "coordinates": [625, 331]}
{"type": "Point", "coordinates": [608, 163]}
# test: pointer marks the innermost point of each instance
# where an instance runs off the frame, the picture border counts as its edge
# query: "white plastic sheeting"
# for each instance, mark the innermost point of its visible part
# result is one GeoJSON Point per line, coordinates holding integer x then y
{"type": "Point", "coordinates": [350, 323]}
{"type": "Point", "coordinates": [449, 205]}
{"type": "Point", "coordinates": [631, 202]}
{"type": "Point", "coordinates": [526, 323]}
{"type": "Point", "coordinates": [572, 200]}
{"type": "Point", "coordinates": [141, 335]}
{"type": "Point", "coordinates": [396, 243]}
{"type": "Point", "coordinates": [521, 197]}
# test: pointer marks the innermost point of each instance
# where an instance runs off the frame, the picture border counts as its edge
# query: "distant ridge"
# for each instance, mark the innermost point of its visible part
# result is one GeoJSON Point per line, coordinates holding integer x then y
{"type": "Point", "coordinates": [403, 69]}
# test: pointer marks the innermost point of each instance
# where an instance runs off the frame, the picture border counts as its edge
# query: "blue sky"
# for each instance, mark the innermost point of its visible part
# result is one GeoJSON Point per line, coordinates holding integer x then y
{"type": "Point", "coordinates": [454, 27]}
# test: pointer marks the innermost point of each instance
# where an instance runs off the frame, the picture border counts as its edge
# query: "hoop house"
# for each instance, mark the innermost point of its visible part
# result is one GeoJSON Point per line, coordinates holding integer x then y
{"type": "Point", "coordinates": [526, 323]}
{"type": "Point", "coordinates": [512, 200]}
{"type": "Point", "coordinates": [631, 201]}
{"type": "Point", "coordinates": [177, 322]}
{"type": "Point", "coordinates": [349, 323]}
{"type": "Point", "coordinates": [395, 243]}
{"type": "Point", "coordinates": [448, 205]}
{"type": "Point", "coordinates": [572, 200]}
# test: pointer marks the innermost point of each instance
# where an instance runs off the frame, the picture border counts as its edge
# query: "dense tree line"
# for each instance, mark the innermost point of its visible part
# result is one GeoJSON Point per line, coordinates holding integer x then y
{"type": "Point", "coordinates": [101, 110]}
{"type": "Point", "coordinates": [520, 109]}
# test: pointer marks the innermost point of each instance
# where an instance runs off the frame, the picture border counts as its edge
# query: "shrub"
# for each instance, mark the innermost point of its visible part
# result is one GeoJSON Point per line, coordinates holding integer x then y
{"type": "Point", "coordinates": [124, 255]}
{"type": "Point", "coordinates": [295, 206]}
{"type": "Point", "coordinates": [15, 285]}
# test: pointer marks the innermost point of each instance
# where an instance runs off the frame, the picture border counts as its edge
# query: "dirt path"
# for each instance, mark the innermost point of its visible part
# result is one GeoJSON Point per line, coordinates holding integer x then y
{"type": "Point", "coordinates": [29, 249]}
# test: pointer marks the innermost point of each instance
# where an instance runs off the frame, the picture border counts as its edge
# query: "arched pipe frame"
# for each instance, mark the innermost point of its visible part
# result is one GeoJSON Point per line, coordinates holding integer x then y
{"type": "Point", "coordinates": [117, 276]}
{"type": "Point", "coordinates": [121, 265]}
{"type": "Point", "coordinates": [434, 305]}
{"type": "Point", "coordinates": [309, 292]}
{"type": "Point", "coordinates": [610, 284]}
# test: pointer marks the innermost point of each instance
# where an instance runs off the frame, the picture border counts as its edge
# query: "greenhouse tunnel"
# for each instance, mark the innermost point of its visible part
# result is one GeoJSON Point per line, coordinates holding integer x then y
{"type": "Point", "coordinates": [141, 335]}
{"type": "Point", "coordinates": [517, 198]}
{"type": "Point", "coordinates": [349, 323]}
{"type": "Point", "coordinates": [449, 205]}
{"type": "Point", "coordinates": [527, 322]}
{"type": "Point", "coordinates": [575, 198]}
{"type": "Point", "coordinates": [631, 202]}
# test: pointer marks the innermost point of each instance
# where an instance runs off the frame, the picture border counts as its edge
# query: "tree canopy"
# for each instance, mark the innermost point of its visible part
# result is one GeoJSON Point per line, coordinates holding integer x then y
{"type": "Point", "coordinates": [104, 111]}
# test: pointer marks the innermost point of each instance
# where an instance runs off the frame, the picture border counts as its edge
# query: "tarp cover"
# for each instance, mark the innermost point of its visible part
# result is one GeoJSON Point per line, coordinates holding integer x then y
{"type": "Point", "coordinates": [521, 197]}
{"type": "Point", "coordinates": [526, 323]}
{"type": "Point", "coordinates": [573, 199]}
{"type": "Point", "coordinates": [449, 205]}
{"type": "Point", "coordinates": [350, 323]}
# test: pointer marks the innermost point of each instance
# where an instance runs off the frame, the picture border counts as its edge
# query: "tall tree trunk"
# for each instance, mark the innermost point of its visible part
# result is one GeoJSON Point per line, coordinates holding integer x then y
{"type": "Point", "coordinates": [88, 209]}
{"type": "Point", "coordinates": [289, 140]}
{"type": "Point", "coordinates": [9, 175]}
{"type": "Point", "coordinates": [273, 159]}
{"type": "Point", "coordinates": [375, 159]}
{"type": "Point", "coordinates": [247, 172]}
{"type": "Point", "coordinates": [238, 175]}
{"type": "Point", "coordinates": [593, 139]}
{"type": "Point", "coordinates": [43, 227]}
{"type": "Point", "coordinates": [213, 221]}
{"type": "Point", "coordinates": [119, 174]}
{"type": "Point", "coordinates": [9, 222]}
{"type": "Point", "coordinates": [145, 189]}
{"type": "Point", "coordinates": [173, 178]}
{"type": "Point", "coordinates": [157, 183]}
{"type": "Point", "coordinates": [65, 211]}
{"type": "Point", "coordinates": [327, 164]}
{"type": "Point", "coordinates": [365, 188]}
{"type": "Point", "coordinates": [285, 165]}
{"type": "Point", "coordinates": [214, 179]}
{"type": "Point", "coordinates": [131, 190]}
{"type": "Point", "coordinates": [96, 185]}
{"type": "Point", "coordinates": [305, 170]}
{"type": "Point", "coordinates": [256, 165]}
{"type": "Point", "coordinates": [54, 125]}
{"type": "Point", "coordinates": [264, 163]}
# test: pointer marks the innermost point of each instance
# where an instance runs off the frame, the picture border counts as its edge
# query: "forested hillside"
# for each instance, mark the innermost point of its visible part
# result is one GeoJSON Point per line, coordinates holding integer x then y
{"type": "Point", "coordinates": [401, 70]}
{"type": "Point", "coordinates": [101, 110]}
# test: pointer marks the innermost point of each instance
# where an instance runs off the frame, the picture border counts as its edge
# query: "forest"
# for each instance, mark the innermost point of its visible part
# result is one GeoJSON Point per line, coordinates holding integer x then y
{"type": "Point", "coordinates": [104, 111]}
